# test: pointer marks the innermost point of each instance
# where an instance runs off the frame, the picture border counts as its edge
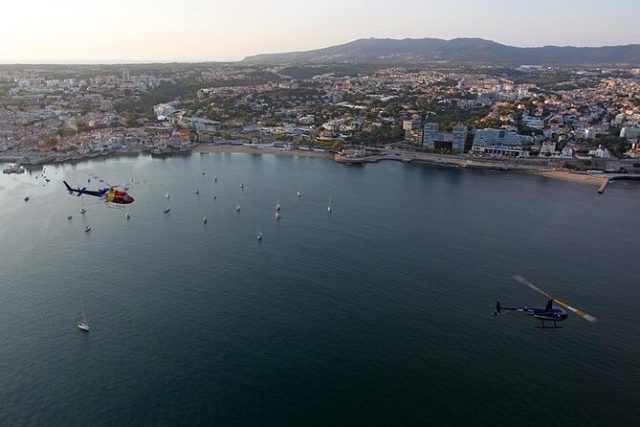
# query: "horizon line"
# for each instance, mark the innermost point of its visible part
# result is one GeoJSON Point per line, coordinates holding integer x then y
{"type": "Point", "coordinates": [34, 61]}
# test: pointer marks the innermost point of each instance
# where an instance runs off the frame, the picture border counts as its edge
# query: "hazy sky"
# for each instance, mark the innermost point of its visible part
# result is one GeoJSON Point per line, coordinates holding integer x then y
{"type": "Point", "coordinates": [183, 30]}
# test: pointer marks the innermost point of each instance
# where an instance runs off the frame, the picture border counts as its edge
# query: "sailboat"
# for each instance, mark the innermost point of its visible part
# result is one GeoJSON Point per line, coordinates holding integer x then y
{"type": "Point", "coordinates": [166, 196]}
{"type": "Point", "coordinates": [277, 215]}
{"type": "Point", "coordinates": [259, 235]}
{"type": "Point", "coordinates": [204, 220]}
{"type": "Point", "coordinates": [277, 206]}
{"type": "Point", "coordinates": [82, 324]}
{"type": "Point", "coordinates": [87, 228]}
{"type": "Point", "coordinates": [299, 193]}
{"type": "Point", "coordinates": [329, 209]}
{"type": "Point", "coordinates": [238, 207]}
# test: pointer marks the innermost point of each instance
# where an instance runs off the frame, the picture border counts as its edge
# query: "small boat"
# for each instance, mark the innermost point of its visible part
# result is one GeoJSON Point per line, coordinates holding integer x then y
{"type": "Point", "coordinates": [215, 197]}
{"type": "Point", "coordinates": [166, 196]}
{"type": "Point", "coordinates": [69, 217]}
{"type": "Point", "coordinates": [47, 179]}
{"type": "Point", "coordinates": [277, 206]}
{"type": "Point", "coordinates": [26, 199]}
{"type": "Point", "coordinates": [82, 211]}
{"type": "Point", "coordinates": [202, 172]}
{"type": "Point", "coordinates": [215, 179]}
{"type": "Point", "coordinates": [299, 193]}
{"type": "Point", "coordinates": [277, 215]}
{"type": "Point", "coordinates": [204, 220]}
{"type": "Point", "coordinates": [197, 192]}
{"type": "Point", "coordinates": [83, 325]}
{"type": "Point", "coordinates": [242, 186]}
{"type": "Point", "coordinates": [87, 228]}
{"type": "Point", "coordinates": [329, 209]}
{"type": "Point", "coordinates": [166, 210]}
{"type": "Point", "coordinates": [238, 207]}
{"type": "Point", "coordinates": [259, 236]}
{"type": "Point", "coordinates": [128, 216]}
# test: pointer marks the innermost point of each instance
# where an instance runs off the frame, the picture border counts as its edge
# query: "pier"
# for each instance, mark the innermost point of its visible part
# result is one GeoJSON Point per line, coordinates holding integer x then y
{"type": "Point", "coordinates": [603, 187]}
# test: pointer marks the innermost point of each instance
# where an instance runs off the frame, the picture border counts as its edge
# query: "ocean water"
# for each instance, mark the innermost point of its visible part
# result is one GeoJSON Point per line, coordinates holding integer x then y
{"type": "Point", "coordinates": [379, 313]}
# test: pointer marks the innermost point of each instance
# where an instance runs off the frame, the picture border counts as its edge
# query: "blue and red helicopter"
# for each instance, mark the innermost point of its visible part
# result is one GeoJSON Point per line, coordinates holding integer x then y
{"type": "Point", "coordinates": [110, 194]}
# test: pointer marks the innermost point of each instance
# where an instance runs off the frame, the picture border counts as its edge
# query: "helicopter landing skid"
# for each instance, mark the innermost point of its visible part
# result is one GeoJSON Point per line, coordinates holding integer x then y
{"type": "Point", "coordinates": [543, 326]}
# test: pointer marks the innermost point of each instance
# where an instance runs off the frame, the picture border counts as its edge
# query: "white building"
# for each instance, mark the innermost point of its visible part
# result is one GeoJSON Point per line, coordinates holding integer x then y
{"type": "Point", "coordinates": [532, 122]}
{"type": "Point", "coordinates": [162, 111]}
{"type": "Point", "coordinates": [500, 142]}
{"type": "Point", "coordinates": [630, 132]}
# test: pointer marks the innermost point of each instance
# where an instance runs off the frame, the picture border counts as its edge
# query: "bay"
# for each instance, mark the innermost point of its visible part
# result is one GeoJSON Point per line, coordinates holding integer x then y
{"type": "Point", "coordinates": [379, 313]}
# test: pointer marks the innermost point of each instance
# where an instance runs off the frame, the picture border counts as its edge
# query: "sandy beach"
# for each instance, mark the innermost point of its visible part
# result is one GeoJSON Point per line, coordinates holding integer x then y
{"type": "Point", "coordinates": [573, 177]}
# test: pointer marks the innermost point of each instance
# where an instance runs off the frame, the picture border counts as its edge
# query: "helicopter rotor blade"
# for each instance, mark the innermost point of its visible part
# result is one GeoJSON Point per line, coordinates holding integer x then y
{"type": "Point", "coordinates": [525, 282]}
{"type": "Point", "coordinates": [576, 311]}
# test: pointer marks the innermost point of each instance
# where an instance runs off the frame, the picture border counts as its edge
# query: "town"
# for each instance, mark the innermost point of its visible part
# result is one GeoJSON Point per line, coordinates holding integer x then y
{"type": "Point", "coordinates": [582, 118]}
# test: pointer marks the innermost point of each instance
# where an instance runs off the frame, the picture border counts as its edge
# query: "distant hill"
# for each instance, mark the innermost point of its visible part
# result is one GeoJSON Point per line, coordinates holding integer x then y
{"type": "Point", "coordinates": [461, 50]}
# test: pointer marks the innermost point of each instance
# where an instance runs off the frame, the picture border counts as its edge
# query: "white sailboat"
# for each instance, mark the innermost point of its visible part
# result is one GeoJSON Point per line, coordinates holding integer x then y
{"type": "Point", "coordinates": [277, 215]}
{"type": "Point", "coordinates": [299, 193]}
{"type": "Point", "coordinates": [329, 208]}
{"type": "Point", "coordinates": [238, 207]}
{"type": "Point", "coordinates": [82, 324]}
{"type": "Point", "coordinates": [166, 196]}
{"type": "Point", "coordinates": [277, 206]}
{"type": "Point", "coordinates": [259, 235]}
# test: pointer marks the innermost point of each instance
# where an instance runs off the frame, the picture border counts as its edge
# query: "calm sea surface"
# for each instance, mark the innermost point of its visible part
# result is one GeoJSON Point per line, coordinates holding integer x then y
{"type": "Point", "coordinates": [377, 314]}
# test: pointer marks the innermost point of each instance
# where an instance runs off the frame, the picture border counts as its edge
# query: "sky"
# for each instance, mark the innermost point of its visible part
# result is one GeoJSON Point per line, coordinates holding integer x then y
{"type": "Point", "coordinates": [44, 31]}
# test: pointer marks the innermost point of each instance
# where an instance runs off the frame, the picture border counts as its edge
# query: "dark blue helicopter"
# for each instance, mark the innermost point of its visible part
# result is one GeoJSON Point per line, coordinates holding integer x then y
{"type": "Point", "coordinates": [550, 313]}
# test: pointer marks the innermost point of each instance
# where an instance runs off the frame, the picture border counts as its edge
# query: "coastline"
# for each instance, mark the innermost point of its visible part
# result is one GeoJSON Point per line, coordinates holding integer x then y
{"type": "Point", "coordinates": [210, 148]}
{"type": "Point", "coordinates": [563, 175]}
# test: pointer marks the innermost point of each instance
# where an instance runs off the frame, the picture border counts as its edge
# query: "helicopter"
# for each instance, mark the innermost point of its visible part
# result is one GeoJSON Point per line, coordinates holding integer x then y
{"type": "Point", "coordinates": [110, 194]}
{"type": "Point", "coordinates": [550, 313]}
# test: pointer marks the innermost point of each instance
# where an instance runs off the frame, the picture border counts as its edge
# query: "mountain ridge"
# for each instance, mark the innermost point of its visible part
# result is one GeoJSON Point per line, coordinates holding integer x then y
{"type": "Point", "coordinates": [458, 50]}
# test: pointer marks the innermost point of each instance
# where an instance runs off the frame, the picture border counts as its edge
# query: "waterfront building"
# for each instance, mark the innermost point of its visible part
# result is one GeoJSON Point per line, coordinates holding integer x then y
{"type": "Point", "coordinates": [450, 141]}
{"type": "Point", "coordinates": [548, 148]}
{"type": "Point", "coordinates": [500, 142]}
{"type": "Point", "coordinates": [412, 131]}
